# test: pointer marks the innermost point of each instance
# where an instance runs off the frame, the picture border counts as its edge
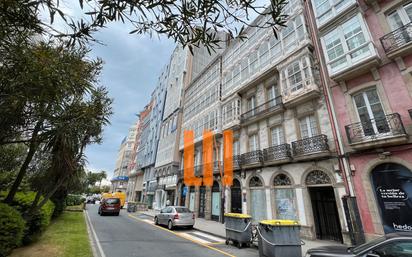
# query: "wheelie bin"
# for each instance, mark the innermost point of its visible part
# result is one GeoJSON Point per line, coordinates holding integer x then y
{"type": "Point", "coordinates": [238, 229]}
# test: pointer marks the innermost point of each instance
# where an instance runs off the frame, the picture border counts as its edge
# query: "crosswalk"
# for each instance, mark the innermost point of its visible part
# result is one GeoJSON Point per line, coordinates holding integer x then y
{"type": "Point", "coordinates": [195, 235]}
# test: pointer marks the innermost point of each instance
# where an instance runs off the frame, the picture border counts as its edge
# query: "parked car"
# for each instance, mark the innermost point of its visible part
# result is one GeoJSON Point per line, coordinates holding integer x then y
{"type": "Point", "coordinates": [175, 216]}
{"type": "Point", "coordinates": [391, 245]}
{"type": "Point", "coordinates": [109, 205]}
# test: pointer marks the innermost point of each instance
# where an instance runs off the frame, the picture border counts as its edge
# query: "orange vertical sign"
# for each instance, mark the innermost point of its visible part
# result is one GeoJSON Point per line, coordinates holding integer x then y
{"type": "Point", "coordinates": [228, 157]}
{"type": "Point", "coordinates": [189, 162]}
{"type": "Point", "coordinates": [208, 158]}
{"type": "Point", "coordinates": [188, 157]}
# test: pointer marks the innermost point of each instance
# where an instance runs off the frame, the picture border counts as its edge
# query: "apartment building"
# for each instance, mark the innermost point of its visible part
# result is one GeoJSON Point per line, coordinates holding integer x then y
{"type": "Point", "coordinates": [184, 65]}
{"type": "Point", "coordinates": [120, 178]}
{"type": "Point", "coordinates": [267, 91]}
{"type": "Point", "coordinates": [366, 60]}
{"type": "Point", "coordinates": [135, 183]}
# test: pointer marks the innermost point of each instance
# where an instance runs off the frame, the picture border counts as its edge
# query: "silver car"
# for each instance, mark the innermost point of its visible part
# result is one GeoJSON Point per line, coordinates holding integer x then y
{"type": "Point", "coordinates": [175, 216]}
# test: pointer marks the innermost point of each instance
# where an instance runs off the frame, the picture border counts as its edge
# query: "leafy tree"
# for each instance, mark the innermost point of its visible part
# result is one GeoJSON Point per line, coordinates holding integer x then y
{"type": "Point", "coordinates": [57, 86]}
{"type": "Point", "coordinates": [191, 22]}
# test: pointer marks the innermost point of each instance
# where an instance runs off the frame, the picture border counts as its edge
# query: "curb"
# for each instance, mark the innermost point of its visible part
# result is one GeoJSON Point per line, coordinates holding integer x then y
{"type": "Point", "coordinates": [204, 231]}
{"type": "Point", "coordinates": [91, 239]}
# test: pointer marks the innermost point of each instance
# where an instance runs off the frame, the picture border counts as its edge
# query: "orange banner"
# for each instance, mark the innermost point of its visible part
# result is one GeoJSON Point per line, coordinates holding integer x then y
{"type": "Point", "coordinates": [228, 157]}
{"type": "Point", "coordinates": [189, 161]}
{"type": "Point", "coordinates": [208, 158]}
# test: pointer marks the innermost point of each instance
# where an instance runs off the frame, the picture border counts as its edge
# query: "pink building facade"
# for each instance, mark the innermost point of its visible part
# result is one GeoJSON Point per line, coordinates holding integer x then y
{"type": "Point", "coordinates": [365, 52]}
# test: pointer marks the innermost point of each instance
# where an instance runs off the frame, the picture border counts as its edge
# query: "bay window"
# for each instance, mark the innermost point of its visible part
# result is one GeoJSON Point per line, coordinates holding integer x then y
{"type": "Point", "coordinates": [325, 10]}
{"type": "Point", "coordinates": [347, 45]}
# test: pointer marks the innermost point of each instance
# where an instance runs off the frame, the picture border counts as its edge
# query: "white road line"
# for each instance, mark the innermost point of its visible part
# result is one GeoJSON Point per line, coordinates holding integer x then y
{"type": "Point", "coordinates": [99, 246]}
{"type": "Point", "coordinates": [194, 238]}
{"type": "Point", "coordinates": [217, 239]}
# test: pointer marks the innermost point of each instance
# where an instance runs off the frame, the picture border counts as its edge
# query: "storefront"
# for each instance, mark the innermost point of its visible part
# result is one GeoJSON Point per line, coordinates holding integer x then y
{"type": "Point", "coordinates": [216, 204]}
{"type": "Point", "coordinates": [392, 185]}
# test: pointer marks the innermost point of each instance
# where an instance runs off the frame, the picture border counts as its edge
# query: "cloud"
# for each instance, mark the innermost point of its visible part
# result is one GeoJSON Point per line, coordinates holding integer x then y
{"type": "Point", "coordinates": [132, 66]}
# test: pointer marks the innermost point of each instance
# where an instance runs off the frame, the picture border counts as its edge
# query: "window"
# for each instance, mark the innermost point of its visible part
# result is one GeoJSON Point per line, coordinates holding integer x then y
{"type": "Point", "coordinates": [294, 76]}
{"type": "Point", "coordinates": [400, 17]}
{"type": "Point", "coordinates": [348, 44]}
{"type": "Point", "coordinates": [370, 111]}
{"type": "Point", "coordinates": [251, 103]}
{"type": "Point", "coordinates": [253, 61]}
{"type": "Point", "coordinates": [264, 53]}
{"type": "Point", "coordinates": [327, 9]}
{"type": "Point", "coordinates": [276, 134]}
{"type": "Point", "coordinates": [236, 73]}
{"type": "Point", "coordinates": [308, 126]}
{"type": "Point", "coordinates": [399, 248]}
{"type": "Point", "coordinates": [253, 143]}
{"type": "Point", "coordinates": [275, 47]}
{"type": "Point", "coordinates": [236, 147]}
{"type": "Point", "coordinates": [245, 68]}
{"type": "Point", "coordinates": [272, 94]}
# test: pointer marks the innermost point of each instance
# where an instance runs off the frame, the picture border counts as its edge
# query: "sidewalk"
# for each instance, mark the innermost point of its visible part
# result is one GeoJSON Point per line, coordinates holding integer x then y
{"type": "Point", "coordinates": [218, 229]}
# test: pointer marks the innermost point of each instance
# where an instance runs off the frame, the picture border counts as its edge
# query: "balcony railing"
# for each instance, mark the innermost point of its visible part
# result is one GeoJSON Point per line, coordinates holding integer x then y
{"type": "Point", "coordinates": [254, 157]}
{"type": "Point", "coordinates": [389, 126]}
{"type": "Point", "coordinates": [267, 107]}
{"type": "Point", "coordinates": [237, 162]}
{"type": "Point", "coordinates": [397, 38]}
{"type": "Point", "coordinates": [277, 152]}
{"type": "Point", "coordinates": [310, 145]}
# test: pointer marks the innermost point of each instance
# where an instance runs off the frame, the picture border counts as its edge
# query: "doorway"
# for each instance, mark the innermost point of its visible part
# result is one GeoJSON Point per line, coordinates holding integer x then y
{"type": "Point", "coordinates": [236, 197]}
{"type": "Point", "coordinates": [215, 201]}
{"type": "Point", "coordinates": [202, 201]}
{"type": "Point", "coordinates": [325, 213]}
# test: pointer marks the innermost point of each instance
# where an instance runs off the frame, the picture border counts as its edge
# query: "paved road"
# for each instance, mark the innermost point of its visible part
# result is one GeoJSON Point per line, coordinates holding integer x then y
{"type": "Point", "coordinates": [131, 236]}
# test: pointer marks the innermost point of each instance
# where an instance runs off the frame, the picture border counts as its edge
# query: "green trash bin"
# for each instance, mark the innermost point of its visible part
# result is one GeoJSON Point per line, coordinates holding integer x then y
{"type": "Point", "coordinates": [238, 229]}
{"type": "Point", "coordinates": [279, 238]}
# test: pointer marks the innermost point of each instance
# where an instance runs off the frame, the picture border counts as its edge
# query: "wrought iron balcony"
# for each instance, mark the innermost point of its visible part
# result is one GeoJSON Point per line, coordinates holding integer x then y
{"type": "Point", "coordinates": [237, 162]}
{"type": "Point", "coordinates": [389, 126]}
{"type": "Point", "coordinates": [310, 145]}
{"type": "Point", "coordinates": [397, 38]}
{"type": "Point", "coordinates": [254, 157]}
{"type": "Point", "coordinates": [277, 153]}
{"type": "Point", "coordinates": [269, 106]}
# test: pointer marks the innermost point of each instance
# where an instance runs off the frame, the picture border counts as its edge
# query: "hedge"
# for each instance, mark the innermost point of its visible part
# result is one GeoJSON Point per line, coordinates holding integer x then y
{"type": "Point", "coordinates": [72, 200]}
{"type": "Point", "coordinates": [40, 219]}
{"type": "Point", "coordinates": [11, 229]}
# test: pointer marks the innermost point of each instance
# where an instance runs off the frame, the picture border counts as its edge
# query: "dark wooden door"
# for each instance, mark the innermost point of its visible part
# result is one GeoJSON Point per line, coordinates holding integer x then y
{"type": "Point", "coordinates": [236, 197]}
{"type": "Point", "coordinates": [325, 214]}
{"type": "Point", "coordinates": [202, 201]}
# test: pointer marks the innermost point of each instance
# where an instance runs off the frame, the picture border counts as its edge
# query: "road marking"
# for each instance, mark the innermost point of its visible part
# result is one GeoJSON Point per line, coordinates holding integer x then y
{"type": "Point", "coordinates": [213, 238]}
{"type": "Point", "coordinates": [186, 235]}
{"type": "Point", "coordinates": [187, 238]}
{"type": "Point", "coordinates": [99, 246]}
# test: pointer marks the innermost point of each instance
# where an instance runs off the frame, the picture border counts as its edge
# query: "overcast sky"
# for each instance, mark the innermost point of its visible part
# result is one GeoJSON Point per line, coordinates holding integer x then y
{"type": "Point", "coordinates": [132, 66]}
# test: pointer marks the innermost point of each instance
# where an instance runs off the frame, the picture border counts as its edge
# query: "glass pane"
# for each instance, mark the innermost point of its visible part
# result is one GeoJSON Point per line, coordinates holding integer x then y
{"type": "Point", "coordinates": [304, 128]}
{"type": "Point", "coordinates": [408, 10]}
{"type": "Point", "coordinates": [285, 204]}
{"type": "Point", "coordinates": [258, 208]}
{"type": "Point", "coordinates": [395, 20]}
{"type": "Point", "coordinates": [277, 136]}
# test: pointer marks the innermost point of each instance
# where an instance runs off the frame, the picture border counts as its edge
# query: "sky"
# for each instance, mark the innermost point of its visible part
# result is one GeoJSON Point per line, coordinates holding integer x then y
{"type": "Point", "coordinates": [132, 64]}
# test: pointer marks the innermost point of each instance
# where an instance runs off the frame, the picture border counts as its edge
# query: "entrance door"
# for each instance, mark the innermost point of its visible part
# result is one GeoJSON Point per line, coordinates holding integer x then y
{"type": "Point", "coordinates": [215, 201]}
{"type": "Point", "coordinates": [202, 201]}
{"type": "Point", "coordinates": [325, 213]}
{"type": "Point", "coordinates": [236, 197]}
{"type": "Point", "coordinates": [192, 199]}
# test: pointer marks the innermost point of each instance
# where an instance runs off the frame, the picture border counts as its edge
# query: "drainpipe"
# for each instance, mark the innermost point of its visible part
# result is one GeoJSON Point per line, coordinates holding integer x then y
{"type": "Point", "coordinates": [351, 209]}
{"type": "Point", "coordinates": [343, 162]}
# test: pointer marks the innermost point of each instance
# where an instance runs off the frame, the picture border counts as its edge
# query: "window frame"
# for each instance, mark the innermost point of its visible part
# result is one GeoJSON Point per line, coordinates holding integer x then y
{"type": "Point", "coordinates": [349, 61]}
